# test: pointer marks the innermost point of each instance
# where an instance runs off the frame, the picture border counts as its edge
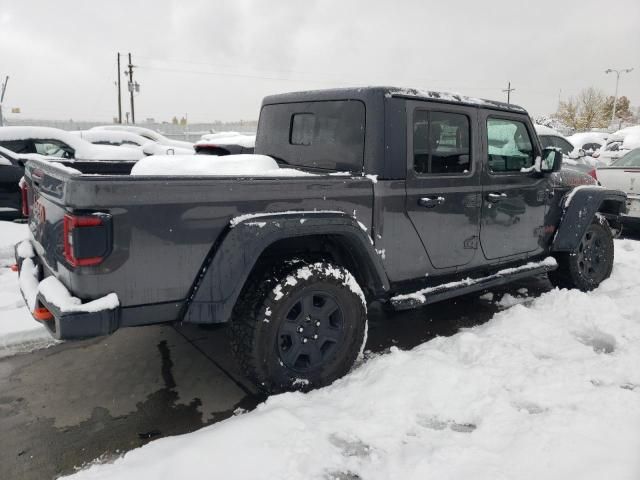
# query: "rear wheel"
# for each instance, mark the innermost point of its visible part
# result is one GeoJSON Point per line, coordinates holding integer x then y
{"type": "Point", "coordinates": [300, 327]}
{"type": "Point", "coordinates": [590, 264]}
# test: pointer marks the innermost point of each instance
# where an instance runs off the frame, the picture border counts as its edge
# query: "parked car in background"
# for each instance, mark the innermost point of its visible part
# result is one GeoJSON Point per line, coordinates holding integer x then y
{"type": "Point", "coordinates": [624, 174]}
{"type": "Point", "coordinates": [129, 139]}
{"type": "Point", "coordinates": [148, 134]}
{"type": "Point", "coordinates": [11, 171]}
{"type": "Point", "coordinates": [618, 144]}
{"type": "Point", "coordinates": [225, 143]}
{"type": "Point", "coordinates": [590, 142]}
{"type": "Point", "coordinates": [574, 157]}
{"type": "Point", "coordinates": [53, 142]}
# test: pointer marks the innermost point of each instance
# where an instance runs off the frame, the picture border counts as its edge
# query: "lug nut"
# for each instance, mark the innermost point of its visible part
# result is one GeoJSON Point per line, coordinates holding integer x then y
{"type": "Point", "coordinates": [315, 337]}
{"type": "Point", "coordinates": [300, 329]}
{"type": "Point", "coordinates": [305, 340]}
{"type": "Point", "coordinates": [317, 324]}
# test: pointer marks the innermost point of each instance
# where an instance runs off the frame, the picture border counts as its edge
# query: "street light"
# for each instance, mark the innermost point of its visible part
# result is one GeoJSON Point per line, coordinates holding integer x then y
{"type": "Point", "coordinates": [615, 98]}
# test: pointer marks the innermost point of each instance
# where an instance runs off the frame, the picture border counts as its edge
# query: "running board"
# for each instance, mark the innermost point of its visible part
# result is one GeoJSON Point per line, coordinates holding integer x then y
{"type": "Point", "coordinates": [469, 285]}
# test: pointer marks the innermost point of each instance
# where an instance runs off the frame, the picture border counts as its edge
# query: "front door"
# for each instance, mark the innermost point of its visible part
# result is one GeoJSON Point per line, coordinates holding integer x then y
{"type": "Point", "coordinates": [514, 197]}
{"type": "Point", "coordinates": [443, 181]}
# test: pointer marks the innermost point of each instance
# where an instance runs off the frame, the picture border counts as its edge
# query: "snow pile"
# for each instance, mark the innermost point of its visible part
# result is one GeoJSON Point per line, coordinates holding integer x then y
{"type": "Point", "coordinates": [549, 391]}
{"type": "Point", "coordinates": [631, 141]}
{"type": "Point", "coordinates": [582, 138]}
{"type": "Point", "coordinates": [198, 165]}
{"type": "Point", "coordinates": [57, 294]}
{"type": "Point", "coordinates": [18, 330]}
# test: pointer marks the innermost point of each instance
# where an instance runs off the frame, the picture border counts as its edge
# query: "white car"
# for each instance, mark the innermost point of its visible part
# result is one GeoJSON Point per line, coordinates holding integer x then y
{"type": "Point", "coordinates": [572, 154]}
{"type": "Point", "coordinates": [129, 139]}
{"type": "Point", "coordinates": [53, 142]}
{"type": "Point", "coordinates": [618, 144]}
{"type": "Point", "coordinates": [624, 174]}
{"type": "Point", "coordinates": [148, 134]}
{"type": "Point", "coordinates": [590, 142]}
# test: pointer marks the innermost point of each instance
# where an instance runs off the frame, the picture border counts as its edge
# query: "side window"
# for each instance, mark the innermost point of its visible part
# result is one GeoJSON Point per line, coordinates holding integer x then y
{"type": "Point", "coordinates": [17, 146]}
{"type": "Point", "coordinates": [302, 127]}
{"type": "Point", "coordinates": [53, 148]}
{"type": "Point", "coordinates": [565, 147]}
{"type": "Point", "coordinates": [591, 147]}
{"type": "Point", "coordinates": [441, 143]}
{"type": "Point", "coordinates": [509, 144]}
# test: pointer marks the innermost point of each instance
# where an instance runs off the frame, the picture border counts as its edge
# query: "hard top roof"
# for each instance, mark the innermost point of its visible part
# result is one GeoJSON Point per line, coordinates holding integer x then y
{"type": "Point", "coordinates": [368, 93]}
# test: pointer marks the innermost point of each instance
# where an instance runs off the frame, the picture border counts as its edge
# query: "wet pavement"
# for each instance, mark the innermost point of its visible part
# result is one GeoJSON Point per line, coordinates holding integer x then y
{"type": "Point", "coordinates": [77, 402]}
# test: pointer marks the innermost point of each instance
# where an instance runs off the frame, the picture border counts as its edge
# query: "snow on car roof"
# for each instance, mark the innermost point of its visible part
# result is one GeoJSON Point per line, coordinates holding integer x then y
{"type": "Point", "coordinates": [579, 139]}
{"type": "Point", "coordinates": [247, 141]}
{"type": "Point", "coordinates": [544, 130]}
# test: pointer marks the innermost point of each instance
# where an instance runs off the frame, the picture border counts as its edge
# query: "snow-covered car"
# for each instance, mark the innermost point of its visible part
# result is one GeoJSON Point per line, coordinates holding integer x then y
{"type": "Point", "coordinates": [574, 157]}
{"type": "Point", "coordinates": [225, 143]}
{"type": "Point", "coordinates": [618, 144]}
{"type": "Point", "coordinates": [624, 174]}
{"type": "Point", "coordinates": [130, 139]}
{"type": "Point", "coordinates": [590, 142]}
{"type": "Point", "coordinates": [53, 142]}
{"type": "Point", "coordinates": [148, 134]}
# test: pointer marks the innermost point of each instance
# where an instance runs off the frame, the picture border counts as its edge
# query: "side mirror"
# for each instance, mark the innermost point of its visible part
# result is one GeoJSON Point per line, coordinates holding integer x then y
{"type": "Point", "coordinates": [551, 160]}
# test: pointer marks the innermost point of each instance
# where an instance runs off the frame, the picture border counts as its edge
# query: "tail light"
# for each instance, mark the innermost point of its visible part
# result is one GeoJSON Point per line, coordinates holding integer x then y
{"type": "Point", "coordinates": [594, 174]}
{"type": "Point", "coordinates": [86, 239]}
{"type": "Point", "coordinates": [24, 192]}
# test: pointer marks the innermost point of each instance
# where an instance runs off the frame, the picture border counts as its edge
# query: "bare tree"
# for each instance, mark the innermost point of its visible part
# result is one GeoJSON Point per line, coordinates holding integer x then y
{"type": "Point", "coordinates": [586, 111]}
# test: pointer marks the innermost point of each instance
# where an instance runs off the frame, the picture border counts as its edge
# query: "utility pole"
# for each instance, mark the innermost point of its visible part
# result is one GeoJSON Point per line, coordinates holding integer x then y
{"type": "Point", "coordinates": [119, 93]}
{"type": "Point", "coordinates": [4, 89]}
{"type": "Point", "coordinates": [133, 87]}
{"type": "Point", "coordinates": [508, 90]}
{"type": "Point", "coordinates": [615, 97]}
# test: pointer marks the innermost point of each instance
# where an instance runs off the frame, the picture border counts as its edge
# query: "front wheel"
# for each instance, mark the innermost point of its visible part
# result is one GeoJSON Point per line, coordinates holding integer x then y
{"type": "Point", "coordinates": [590, 264]}
{"type": "Point", "coordinates": [300, 328]}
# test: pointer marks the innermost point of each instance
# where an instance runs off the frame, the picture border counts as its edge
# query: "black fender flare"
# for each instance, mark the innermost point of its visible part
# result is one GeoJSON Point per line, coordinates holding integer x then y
{"type": "Point", "coordinates": [232, 258]}
{"type": "Point", "coordinates": [580, 206]}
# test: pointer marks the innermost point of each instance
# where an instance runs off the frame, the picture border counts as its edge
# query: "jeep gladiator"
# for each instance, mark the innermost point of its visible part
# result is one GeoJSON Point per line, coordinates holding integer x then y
{"type": "Point", "coordinates": [410, 197]}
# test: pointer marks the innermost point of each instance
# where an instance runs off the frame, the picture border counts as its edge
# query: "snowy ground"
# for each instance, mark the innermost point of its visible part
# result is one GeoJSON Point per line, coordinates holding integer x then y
{"type": "Point", "coordinates": [18, 331]}
{"type": "Point", "coordinates": [548, 389]}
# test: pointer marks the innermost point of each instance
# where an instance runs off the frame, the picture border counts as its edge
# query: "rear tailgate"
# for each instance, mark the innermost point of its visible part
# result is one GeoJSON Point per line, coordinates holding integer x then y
{"type": "Point", "coordinates": [53, 235]}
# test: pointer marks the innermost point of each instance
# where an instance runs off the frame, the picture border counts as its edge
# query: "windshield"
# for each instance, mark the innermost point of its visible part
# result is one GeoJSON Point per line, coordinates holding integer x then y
{"type": "Point", "coordinates": [631, 159]}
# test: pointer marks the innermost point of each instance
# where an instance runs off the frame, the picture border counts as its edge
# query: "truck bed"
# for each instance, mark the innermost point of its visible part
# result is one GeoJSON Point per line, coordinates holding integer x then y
{"type": "Point", "coordinates": [162, 228]}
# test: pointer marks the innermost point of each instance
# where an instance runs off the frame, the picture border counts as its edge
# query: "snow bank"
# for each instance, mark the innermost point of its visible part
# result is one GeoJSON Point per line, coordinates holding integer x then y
{"type": "Point", "coordinates": [229, 165]}
{"type": "Point", "coordinates": [550, 390]}
{"type": "Point", "coordinates": [18, 330]}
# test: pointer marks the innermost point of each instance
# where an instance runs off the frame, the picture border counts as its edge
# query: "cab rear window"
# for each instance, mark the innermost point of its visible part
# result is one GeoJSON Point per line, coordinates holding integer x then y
{"type": "Point", "coordinates": [326, 135]}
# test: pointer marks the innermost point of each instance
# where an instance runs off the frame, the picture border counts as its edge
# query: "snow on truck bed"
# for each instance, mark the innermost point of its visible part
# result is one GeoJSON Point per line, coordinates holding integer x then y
{"type": "Point", "coordinates": [229, 165]}
{"type": "Point", "coordinates": [546, 390]}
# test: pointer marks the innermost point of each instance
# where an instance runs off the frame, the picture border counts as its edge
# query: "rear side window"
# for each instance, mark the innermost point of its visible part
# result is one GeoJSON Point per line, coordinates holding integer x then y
{"type": "Point", "coordinates": [509, 144]}
{"type": "Point", "coordinates": [441, 143]}
{"type": "Point", "coordinates": [316, 135]}
{"type": "Point", "coordinates": [17, 146]}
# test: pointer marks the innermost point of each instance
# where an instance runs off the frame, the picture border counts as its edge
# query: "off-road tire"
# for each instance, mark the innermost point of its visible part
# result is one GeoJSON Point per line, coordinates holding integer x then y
{"type": "Point", "coordinates": [590, 264]}
{"type": "Point", "coordinates": [265, 329]}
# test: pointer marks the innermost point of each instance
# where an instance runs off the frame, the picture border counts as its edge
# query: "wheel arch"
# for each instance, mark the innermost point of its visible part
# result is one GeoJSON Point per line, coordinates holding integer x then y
{"type": "Point", "coordinates": [583, 204]}
{"type": "Point", "coordinates": [251, 243]}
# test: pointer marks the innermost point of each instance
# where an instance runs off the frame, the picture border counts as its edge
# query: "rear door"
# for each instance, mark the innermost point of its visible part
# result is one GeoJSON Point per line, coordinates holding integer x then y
{"type": "Point", "coordinates": [514, 200]}
{"type": "Point", "coordinates": [443, 180]}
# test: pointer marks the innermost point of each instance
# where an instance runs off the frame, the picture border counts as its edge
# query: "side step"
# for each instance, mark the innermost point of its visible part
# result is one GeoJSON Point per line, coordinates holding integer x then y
{"type": "Point", "coordinates": [468, 285]}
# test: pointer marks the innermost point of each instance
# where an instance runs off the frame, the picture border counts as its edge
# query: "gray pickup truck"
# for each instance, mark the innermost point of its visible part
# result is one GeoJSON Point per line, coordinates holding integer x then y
{"type": "Point", "coordinates": [415, 197]}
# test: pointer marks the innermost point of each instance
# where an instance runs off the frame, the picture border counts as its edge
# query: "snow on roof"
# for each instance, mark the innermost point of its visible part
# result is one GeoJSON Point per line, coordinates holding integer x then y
{"type": "Point", "coordinates": [635, 129]}
{"type": "Point", "coordinates": [579, 139]}
{"type": "Point", "coordinates": [631, 141]}
{"type": "Point", "coordinates": [544, 130]}
{"type": "Point", "coordinates": [228, 138]}
{"type": "Point", "coordinates": [211, 165]}
{"type": "Point", "coordinates": [452, 97]}
{"type": "Point", "coordinates": [112, 136]}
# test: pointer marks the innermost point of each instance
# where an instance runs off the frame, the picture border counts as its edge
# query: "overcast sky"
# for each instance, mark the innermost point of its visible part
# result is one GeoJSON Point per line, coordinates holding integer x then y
{"type": "Point", "coordinates": [217, 59]}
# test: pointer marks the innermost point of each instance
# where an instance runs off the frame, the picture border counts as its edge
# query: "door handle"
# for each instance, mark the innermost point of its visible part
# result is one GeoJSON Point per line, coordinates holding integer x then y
{"type": "Point", "coordinates": [496, 197]}
{"type": "Point", "coordinates": [430, 202]}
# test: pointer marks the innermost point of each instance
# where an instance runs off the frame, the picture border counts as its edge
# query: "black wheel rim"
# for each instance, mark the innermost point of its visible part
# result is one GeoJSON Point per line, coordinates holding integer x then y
{"type": "Point", "coordinates": [591, 256]}
{"type": "Point", "coordinates": [311, 332]}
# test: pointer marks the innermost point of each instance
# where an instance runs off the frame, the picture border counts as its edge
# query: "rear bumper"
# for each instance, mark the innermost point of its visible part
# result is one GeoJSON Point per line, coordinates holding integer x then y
{"type": "Point", "coordinates": [62, 324]}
